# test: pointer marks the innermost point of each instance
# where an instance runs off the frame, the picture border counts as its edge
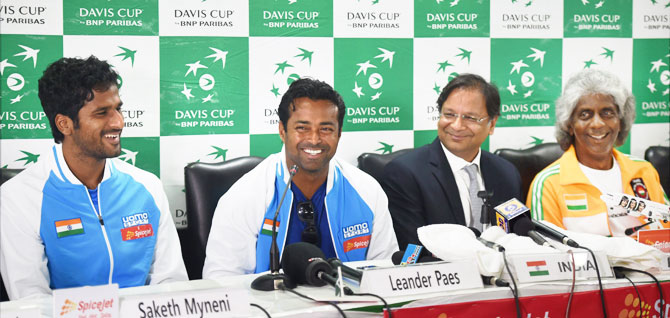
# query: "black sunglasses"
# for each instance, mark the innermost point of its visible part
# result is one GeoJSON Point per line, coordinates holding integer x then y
{"type": "Point", "coordinates": [306, 214]}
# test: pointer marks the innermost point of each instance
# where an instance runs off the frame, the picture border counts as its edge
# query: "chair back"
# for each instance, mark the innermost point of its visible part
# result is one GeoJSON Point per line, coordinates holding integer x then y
{"type": "Point", "coordinates": [205, 183]}
{"type": "Point", "coordinates": [531, 161]}
{"type": "Point", "coordinates": [660, 158]}
{"type": "Point", "coordinates": [6, 174]}
{"type": "Point", "coordinates": [373, 163]}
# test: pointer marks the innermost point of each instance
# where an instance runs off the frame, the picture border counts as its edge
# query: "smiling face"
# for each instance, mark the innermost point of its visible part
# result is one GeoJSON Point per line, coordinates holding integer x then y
{"type": "Point", "coordinates": [462, 137]}
{"type": "Point", "coordinates": [311, 135]}
{"type": "Point", "coordinates": [97, 134]}
{"type": "Point", "coordinates": [595, 125]}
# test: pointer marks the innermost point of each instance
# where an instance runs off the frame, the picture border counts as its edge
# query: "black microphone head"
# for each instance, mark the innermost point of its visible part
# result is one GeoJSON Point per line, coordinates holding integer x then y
{"type": "Point", "coordinates": [629, 231]}
{"type": "Point", "coordinates": [477, 232]}
{"type": "Point", "coordinates": [522, 226]}
{"type": "Point", "coordinates": [396, 258]}
{"type": "Point", "coordinates": [302, 262]}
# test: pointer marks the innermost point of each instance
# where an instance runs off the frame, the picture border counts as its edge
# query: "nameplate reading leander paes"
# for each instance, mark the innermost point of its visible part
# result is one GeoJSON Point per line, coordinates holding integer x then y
{"type": "Point", "coordinates": [421, 278]}
{"type": "Point", "coordinates": [209, 303]}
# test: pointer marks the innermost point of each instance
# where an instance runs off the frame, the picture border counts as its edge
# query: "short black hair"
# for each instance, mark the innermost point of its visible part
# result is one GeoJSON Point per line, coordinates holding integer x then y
{"type": "Point", "coordinates": [314, 90]}
{"type": "Point", "coordinates": [473, 81]}
{"type": "Point", "coordinates": [68, 84]}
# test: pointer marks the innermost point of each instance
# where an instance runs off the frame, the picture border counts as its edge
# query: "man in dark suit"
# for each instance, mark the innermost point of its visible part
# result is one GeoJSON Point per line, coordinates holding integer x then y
{"type": "Point", "coordinates": [440, 182]}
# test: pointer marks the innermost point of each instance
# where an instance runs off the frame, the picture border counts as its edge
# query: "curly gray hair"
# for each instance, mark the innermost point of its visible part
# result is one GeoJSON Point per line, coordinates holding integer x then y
{"type": "Point", "coordinates": [587, 82]}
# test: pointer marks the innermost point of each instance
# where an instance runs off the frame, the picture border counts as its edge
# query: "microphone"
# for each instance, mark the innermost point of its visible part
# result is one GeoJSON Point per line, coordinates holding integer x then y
{"type": "Point", "coordinates": [494, 281]}
{"type": "Point", "coordinates": [488, 243]}
{"type": "Point", "coordinates": [556, 235]}
{"type": "Point", "coordinates": [304, 263]}
{"type": "Point", "coordinates": [270, 281]}
{"type": "Point", "coordinates": [525, 227]}
{"type": "Point", "coordinates": [512, 216]}
{"type": "Point", "coordinates": [485, 217]}
{"type": "Point", "coordinates": [634, 229]}
{"type": "Point", "coordinates": [346, 270]}
{"type": "Point", "coordinates": [413, 254]}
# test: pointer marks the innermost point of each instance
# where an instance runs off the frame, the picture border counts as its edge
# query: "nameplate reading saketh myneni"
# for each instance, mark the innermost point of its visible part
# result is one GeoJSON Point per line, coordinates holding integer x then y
{"type": "Point", "coordinates": [208, 303]}
{"type": "Point", "coordinates": [421, 278]}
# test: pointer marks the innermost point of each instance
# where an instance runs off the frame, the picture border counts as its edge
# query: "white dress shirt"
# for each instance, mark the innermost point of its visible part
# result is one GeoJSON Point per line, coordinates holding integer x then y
{"type": "Point", "coordinates": [463, 180]}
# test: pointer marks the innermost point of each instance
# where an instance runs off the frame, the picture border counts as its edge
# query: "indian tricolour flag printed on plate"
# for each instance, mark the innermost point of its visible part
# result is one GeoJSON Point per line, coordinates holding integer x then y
{"type": "Point", "coordinates": [267, 227]}
{"type": "Point", "coordinates": [69, 227]}
{"type": "Point", "coordinates": [537, 268]}
{"type": "Point", "coordinates": [576, 202]}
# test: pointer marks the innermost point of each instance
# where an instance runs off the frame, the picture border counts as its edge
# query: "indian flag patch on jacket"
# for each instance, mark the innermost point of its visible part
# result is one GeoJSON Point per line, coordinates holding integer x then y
{"type": "Point", "coordinates": [576, 202]}
{"type": "Point", "coordinates": [267, 227]}
{"type": "Point", "coordinates": [69, 227]}
{"type": "Point", "coordinates": [537, 268]}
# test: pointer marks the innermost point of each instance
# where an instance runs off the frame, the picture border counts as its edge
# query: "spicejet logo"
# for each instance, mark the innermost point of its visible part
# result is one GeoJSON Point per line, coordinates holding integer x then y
{"type": "Point", "coordinates": [68, 307]}
{"type": "Point", "coordinates": [137, 232]}
{"type": "Point", "coordinates": [633, 308]}
{"type": "Point", "coordinates": [356, 243]}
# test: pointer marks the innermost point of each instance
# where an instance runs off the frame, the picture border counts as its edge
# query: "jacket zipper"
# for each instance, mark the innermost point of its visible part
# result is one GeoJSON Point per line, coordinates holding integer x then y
{"type": "Point", "coordinates": [104, 231]}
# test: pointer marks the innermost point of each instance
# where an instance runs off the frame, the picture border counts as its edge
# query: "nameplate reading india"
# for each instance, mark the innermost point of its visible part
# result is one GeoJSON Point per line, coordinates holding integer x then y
{"type": "Point", "coordinates": [531, 268]}
{"type": "Point", "coordinates": [90, 302]}
{"type": "Point", "coordinates": [208, 303]}
{"type": "Point", "coordinates": [421, 278]}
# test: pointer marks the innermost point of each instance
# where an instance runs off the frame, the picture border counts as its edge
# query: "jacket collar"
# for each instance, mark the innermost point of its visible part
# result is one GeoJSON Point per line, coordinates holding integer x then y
{"type": "Point", "coordinates": [571, 173]}
{"type": "Point", "coordinates": [63, 172]}
{"type": "Point", "coordinates": [445, 177]}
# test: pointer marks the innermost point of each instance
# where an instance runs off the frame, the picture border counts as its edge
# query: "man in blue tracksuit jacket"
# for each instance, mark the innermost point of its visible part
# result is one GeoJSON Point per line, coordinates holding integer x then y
{"type": "Point", "coordinates": [77, 217]}
{"type": "Point", "coordinates": [330, 203]}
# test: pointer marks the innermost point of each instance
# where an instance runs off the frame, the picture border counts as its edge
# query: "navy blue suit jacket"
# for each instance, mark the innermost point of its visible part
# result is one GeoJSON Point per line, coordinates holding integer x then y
{"type": "Point", "coordinates": [422, 190]}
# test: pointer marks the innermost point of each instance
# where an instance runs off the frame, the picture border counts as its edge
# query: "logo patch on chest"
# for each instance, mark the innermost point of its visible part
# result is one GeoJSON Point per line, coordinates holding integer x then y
{"type": "Point", "coordinates": [355, 230]}
{"type": "Point", "coordinates": [356, 243]}
{"type": "Point", "coordinates": [137, 232]}
{"type": "Point", "coordinates": [639, 188]}
{"type": "Point", "coordinates": [135, 219]}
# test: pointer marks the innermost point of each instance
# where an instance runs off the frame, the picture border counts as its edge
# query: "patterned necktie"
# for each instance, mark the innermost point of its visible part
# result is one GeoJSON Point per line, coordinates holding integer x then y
{"type": "Point", "coordinates": [475, 202]}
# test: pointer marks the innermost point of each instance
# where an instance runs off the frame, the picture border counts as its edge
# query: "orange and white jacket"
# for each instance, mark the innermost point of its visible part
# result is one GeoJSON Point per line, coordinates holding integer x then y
{"type": "Point", "coordinates": [563, 195]}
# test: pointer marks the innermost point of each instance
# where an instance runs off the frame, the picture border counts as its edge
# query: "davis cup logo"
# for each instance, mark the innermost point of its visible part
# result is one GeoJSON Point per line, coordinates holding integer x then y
{"type": "Point", "coordinates": [522, 73]}
{"type": "Point", "coordinates": [288, 70]}
{"type": "Point", "coordinates": [370, 85]}
{"type": "Point", "coordinates": [205, 81]}
{"type": "Point", "coordinates": [658, 81]}
{"type": "Point", "coordinates": [446, 71]}
{"type": "Point", "coordinates": [15, 81]}
{"type": "Point", "coordinates": [128, 156]}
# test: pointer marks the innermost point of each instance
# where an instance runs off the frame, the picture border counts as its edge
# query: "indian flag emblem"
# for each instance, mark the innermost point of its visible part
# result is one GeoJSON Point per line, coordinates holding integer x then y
{"type": "Point", "coordinates": [576, 202]}
{"type": "Point", "coordinates": [537, 268]}
{"type": "Point", "coordinates": [267, 227]}
{"type": "Point", "coordinates": [69, 227]}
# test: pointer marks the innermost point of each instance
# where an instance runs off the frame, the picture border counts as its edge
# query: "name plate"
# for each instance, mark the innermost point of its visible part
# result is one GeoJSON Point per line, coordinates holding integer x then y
{"type": "Point", "coordinates": [89, 301]}
{"type": "Point", "coordinates": [547, 267]}
{"type": "Point", "coordinates": [22, 313]}
{"type": "Point", "coordinates": [201, 303]}
{"type": "Point", "coordinates": [421, 278]}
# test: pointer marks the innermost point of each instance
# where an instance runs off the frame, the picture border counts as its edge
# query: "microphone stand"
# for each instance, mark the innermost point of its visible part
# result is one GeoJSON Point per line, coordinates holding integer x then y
{"type": "Point", "coordinates": [274, 279]}
{"type": "Point", "coordinates": [487, 209]}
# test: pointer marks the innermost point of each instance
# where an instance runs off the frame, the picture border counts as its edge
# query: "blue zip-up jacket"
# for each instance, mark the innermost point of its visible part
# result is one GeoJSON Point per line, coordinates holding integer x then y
{"type": "Point", "coordinates": [53, 236]}
{"type": "Point", "coordinates": [356, 208]}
